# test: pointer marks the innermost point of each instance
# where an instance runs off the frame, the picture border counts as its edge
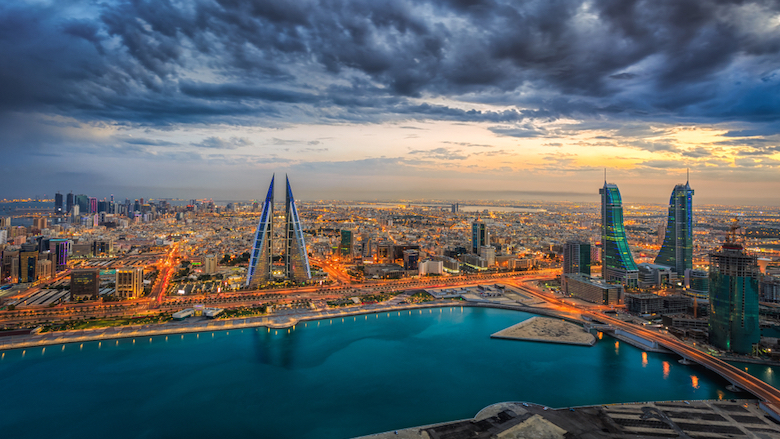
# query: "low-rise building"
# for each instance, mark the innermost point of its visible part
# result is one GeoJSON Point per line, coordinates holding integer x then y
{"type": "Point", "coordinates": [586, 288]}
{"type": "Point", "coordinates": [643, 303]}
{"type": "Point", "coordinates": [431, 267]}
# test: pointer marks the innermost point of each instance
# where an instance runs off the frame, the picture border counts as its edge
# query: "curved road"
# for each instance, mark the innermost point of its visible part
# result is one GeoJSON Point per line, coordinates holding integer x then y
{"type": "Point", "coordinates": [732, 374]}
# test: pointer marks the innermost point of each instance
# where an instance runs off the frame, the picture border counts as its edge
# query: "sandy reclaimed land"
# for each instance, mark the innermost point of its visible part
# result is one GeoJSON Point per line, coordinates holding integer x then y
{"type": "Point", "coordinates": [547, 330]}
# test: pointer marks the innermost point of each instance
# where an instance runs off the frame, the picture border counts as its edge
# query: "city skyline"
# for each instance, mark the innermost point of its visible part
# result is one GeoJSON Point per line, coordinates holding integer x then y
{"type": "Point", "coordinates": [387, 101]}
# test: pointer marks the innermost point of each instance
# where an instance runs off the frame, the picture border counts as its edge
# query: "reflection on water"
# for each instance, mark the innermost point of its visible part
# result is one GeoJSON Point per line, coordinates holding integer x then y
{"type": "Point", "coordinates": [720, 394]}
{"type": "Point", "coordinates": [694, 381]}
{"type": "Point", "coordinates": [617, 347]}
{"type": "Point", "coordinates": [250, 381]}
{"type": "Point", "coordinates": [601, 334]}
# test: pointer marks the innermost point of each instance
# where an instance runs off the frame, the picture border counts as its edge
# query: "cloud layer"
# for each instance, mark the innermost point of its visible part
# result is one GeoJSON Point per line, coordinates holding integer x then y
{"type": "Point", "coordinates": [113, 77]}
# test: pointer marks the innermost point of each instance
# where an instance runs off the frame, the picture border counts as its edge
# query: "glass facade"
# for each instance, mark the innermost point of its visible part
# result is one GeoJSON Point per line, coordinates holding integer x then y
{"type": "Point", "coordinates": [261, 259]}
{"type": "Point", "coordinates": [733, 319]}
{"type": "Point", "coordinates": [296, 259]}
{"type": "Point", "coordinates": [345, 246]}
{"type": "Point", "coordinates": [618, 263]}
{"type": "Point", "coordinates": [677, 249]}
{"type": "Point", "coordinates": [576, 257]}
{"type": "Point", "coordinates": [479, 236]}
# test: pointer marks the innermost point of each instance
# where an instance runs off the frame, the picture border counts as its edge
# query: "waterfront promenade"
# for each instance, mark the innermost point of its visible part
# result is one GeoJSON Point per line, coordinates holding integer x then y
{"type": "Point", "coordinates": [277, 322]}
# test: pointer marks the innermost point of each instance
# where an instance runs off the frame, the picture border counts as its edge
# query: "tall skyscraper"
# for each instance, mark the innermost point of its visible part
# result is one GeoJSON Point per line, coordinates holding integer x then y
{"type": "Point", "coordinates": [618, 263]}
{"type": "Point", "coordinates": [68, 202]}
{"type": "Point", "coordinates": [296, 259]}
{"type": "Point", "coordinates": [58, 203]}
{"type": "Point", "coordinates": [734, 278]}
{"type": "Point", "coordinates": [677, 249]}
{"type": "Point", "coordinates": [261, 259]}
{"type": "Point", "coordinates": [479, 236]}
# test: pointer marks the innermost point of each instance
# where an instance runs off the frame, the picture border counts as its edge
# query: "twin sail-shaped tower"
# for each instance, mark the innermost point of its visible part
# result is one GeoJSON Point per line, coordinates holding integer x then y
{"type": "Point", "coordinates": [295, 258]}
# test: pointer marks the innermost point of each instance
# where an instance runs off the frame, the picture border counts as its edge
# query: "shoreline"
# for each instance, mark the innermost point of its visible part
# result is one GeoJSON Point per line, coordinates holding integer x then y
{"type": "Point", "coordinates": [272, 322]}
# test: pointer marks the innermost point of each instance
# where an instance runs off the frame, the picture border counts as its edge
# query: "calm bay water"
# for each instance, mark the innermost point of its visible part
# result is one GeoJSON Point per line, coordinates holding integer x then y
{"type": "Point", "coordinates": [327, 379]}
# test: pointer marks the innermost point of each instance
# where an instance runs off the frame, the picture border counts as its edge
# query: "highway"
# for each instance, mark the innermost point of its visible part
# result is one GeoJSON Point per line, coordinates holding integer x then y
{"type": "Point", "coordinates": [736, 376]}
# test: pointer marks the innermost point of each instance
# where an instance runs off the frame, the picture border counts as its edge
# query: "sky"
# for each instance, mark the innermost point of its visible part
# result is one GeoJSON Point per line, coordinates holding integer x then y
{"type": "Point", "coordinates": [379, 100]}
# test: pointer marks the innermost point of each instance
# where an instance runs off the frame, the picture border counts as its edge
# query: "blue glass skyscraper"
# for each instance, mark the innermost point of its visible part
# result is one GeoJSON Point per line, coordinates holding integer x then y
{"type": "Point", "coordinates": [296, 259]}
{"type": "Point", "coordinates": [261, 258]}
{"type": "Point", "coordinates": [618, 263]}
{"type": "Point", "coordinates": [677, 249]}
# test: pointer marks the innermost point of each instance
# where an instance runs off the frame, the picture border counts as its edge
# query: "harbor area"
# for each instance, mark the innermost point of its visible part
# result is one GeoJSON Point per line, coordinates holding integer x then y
{"type": "Point", "coordinates": [547, 330]}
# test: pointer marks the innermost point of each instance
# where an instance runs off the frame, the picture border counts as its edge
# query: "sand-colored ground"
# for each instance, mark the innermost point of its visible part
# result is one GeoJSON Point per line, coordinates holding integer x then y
{"type": "Point", "coordinates": [547, 330]}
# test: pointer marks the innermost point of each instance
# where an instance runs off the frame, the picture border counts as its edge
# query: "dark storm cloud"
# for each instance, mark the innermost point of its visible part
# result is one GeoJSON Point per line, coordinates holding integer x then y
{"type": "Point", "coordinates": [521, 132]}
{"type": "Point", "coordinates": [166, 62]}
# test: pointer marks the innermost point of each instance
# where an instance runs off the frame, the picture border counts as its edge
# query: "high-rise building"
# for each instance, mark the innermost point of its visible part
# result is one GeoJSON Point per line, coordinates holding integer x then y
{"type": "Point", "coordinates": [129, 282]}
{"type": "Point", "coordinates": [296, 258]}
{"type": "Point", "coordinates": [618, 263]}
{"type": "Point", "coordinates": [660, 233]}
{"type": "Point", "coordinates": [576, 257]}
{"type": "Point", "coordinates": [28, 266]}
{"type": "Point", "coordinates": [734, 278]}
{"type": "Point", "coordinates": [93, 205]}
{"type": "Point", "coordinates": [44, 271]}
{"type": "Point", "coordinates": [5, 221]}
{"type": "Point", "coordinates": [345, 246]}
{"type": "Point", "coordinates": [40, 223]}
{"type": "Point", "coordinates": [84, 284]}
{"type": "Point", "coordinates": [68, 202]}
{"type": "Point", "coordinates": [62, 250]}
{"type": "Point", "coordinates": [261, 258]}
{"type": "Point", "coordinates": [479, 236]}
{"type": "Point", "coordinates": [103, 206]}
{"type": "Point", "coordinates": [677, 249]}
{"type": "Point", "coordinates": [58, 203]}
{"type": "Point", "coordinates": [576, 260]}
{"type": "Point", "coordinates": [366, 249]}
{"type": "Point", "coordinates": [82, 201]}
{"type": "Point", "coordinates": [209, 264]}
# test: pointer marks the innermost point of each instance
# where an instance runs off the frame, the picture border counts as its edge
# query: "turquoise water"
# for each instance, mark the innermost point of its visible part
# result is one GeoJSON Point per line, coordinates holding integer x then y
{"type": "Point", "coordinates": [327, 379]}
{"type": "Point", "coordinates": [767, 374]}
